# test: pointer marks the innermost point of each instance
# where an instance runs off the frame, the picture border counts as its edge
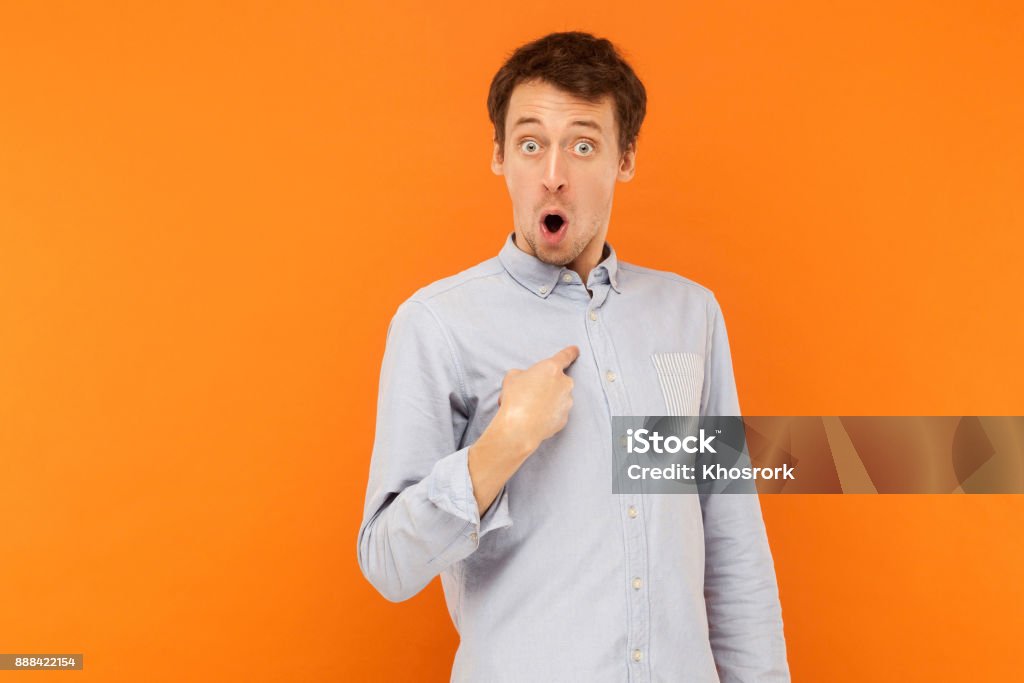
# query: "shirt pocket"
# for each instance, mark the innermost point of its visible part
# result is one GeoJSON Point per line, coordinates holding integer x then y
{"type": "Point", "coordinates": [681, 375]}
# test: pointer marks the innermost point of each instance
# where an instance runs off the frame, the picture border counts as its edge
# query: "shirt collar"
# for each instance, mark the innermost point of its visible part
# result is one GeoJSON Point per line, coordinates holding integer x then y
{"type": "Point", "coordinates": [542, 278]}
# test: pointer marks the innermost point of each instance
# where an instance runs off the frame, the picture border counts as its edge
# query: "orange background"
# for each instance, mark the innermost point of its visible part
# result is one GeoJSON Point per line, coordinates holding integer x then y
{"type": "Point", "coordinates": [209, 213]}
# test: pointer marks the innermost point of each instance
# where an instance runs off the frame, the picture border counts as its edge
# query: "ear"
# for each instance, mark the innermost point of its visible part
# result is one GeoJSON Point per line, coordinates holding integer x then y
{"type": "Point", "coordinates": [497, 160]}
{"type": "Point", "coordinates": [627, 164]}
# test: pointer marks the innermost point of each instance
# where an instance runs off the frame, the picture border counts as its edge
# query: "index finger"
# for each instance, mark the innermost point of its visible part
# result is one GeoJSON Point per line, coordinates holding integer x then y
{"type": "Point", "coordinates": [566, 356]}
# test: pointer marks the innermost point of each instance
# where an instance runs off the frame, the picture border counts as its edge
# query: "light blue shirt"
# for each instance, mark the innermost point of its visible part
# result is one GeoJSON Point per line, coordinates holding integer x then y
{"type": "Point", "coordinates": [562, 580]}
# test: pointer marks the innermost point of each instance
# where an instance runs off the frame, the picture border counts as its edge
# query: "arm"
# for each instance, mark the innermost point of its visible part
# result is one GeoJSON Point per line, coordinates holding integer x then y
{"type": "Point", "coordinates": [421, 513]}
{"type": "Point", "coordinates": [426, 490]}
{"type": "Point", "coordinates": [740, 590]}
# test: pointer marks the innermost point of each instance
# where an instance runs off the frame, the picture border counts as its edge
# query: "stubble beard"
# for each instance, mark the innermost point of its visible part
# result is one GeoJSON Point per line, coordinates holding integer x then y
{"type": "Point", "coordinates": [579, 243]}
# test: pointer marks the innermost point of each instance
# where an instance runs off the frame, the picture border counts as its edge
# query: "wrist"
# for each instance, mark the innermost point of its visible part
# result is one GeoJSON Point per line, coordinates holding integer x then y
{"type": "Point", "coordinates": [509, 438]}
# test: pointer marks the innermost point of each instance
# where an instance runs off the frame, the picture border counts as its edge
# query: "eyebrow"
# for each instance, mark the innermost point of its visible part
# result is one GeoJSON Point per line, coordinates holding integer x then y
{"type": "Point", "coordinates": [586, 123]}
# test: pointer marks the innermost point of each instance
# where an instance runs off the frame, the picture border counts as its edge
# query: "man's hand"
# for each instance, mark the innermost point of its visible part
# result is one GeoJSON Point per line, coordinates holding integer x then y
{"type": "Point", "coordinates": [534, 403]}
{"type": "Point", "coordinates": [533, 406]}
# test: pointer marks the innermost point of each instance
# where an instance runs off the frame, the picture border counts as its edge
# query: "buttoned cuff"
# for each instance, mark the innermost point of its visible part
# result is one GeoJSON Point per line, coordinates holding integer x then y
{"type": "Point", "coordinates": [451, 490]}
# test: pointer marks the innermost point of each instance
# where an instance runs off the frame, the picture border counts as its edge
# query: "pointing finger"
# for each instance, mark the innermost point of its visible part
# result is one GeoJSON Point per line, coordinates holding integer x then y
{"type": "Point", "coordinates": [566, 356]}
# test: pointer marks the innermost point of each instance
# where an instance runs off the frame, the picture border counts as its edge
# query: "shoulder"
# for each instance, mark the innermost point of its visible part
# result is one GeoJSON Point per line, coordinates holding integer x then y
{"type": "Point", "coordinates": [452, 292]}
{"type": "Point", "coordinates": [466, 281]}
{"type": "Point", "coordinates": [663, 278]}
{"type": "Point", "coordinates": [666, 283]}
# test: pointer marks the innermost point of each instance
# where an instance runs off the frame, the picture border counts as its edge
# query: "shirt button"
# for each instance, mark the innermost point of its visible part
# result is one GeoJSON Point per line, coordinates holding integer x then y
{"type": "Point", "coordinates": [610, 376]}
{"type": "Point", "coordinates": [637, 583]}
{"type": "Point", "coordinates": [633, 512]}
{"type": "Point", "coordinates": [472, 536]}
{"type": "Point", "coordinates": [567, 278]}
{"type": "Point", "coordinates": [593, 315]}
{"type": "Point", "coordinates": [637, 655]}
{"type": "Point", "coordinates": [543, 289]}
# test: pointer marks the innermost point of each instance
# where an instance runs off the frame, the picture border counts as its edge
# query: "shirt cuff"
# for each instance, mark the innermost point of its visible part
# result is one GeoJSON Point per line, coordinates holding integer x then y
{"type": "Point", "coordinates": [497, 516]}
{"type": "Point", "coordinates": [451, 490]}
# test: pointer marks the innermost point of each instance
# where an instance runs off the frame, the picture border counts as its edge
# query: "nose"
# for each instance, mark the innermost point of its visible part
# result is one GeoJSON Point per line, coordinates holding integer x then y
{"type": "Point", "coordinates": [555, 178]}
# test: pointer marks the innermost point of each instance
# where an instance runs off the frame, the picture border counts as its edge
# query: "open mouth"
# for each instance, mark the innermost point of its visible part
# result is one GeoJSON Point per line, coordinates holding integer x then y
{"type": "Point", "coordinates": [553, 222]}
{"type": "Point", "coordinates": [554, 226]}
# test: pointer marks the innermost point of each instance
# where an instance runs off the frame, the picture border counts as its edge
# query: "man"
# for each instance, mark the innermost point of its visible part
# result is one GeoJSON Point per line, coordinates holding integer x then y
{"type": "Point", "coordinates": [491, 463]}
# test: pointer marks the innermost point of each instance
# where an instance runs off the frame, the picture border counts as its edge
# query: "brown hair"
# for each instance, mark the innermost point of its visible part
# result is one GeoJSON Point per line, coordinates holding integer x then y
{"type": "Point", "coordinates": [579, 63]}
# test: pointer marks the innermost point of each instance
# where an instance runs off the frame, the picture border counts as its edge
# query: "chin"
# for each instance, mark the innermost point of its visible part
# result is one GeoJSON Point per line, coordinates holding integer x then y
{"type": "Point", "coordinates": [555, 259]}
{"type": "Point", "coordinates": [561, 255]}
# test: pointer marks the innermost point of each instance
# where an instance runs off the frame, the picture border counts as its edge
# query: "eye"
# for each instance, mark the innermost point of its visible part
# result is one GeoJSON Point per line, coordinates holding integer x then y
{"type": "Point", "coordinates": [529, 146]}
{"type": "Point", "coordinates": [584, 148]}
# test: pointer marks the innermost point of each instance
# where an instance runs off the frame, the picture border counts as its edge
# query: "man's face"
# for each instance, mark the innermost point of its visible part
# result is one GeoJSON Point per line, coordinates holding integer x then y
{"type": "Point", "coordinates": [561, 161]}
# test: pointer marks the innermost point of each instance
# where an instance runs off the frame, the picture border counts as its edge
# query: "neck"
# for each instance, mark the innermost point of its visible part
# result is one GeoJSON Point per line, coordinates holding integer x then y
{"type": "Point", "coordinates": [588, 258]}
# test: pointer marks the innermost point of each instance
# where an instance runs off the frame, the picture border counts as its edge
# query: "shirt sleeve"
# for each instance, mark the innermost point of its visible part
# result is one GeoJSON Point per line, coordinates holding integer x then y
{"type": "Point", "coordinates": [740, 590]}
{"type": "Point", "coordinates": [420, 514]}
